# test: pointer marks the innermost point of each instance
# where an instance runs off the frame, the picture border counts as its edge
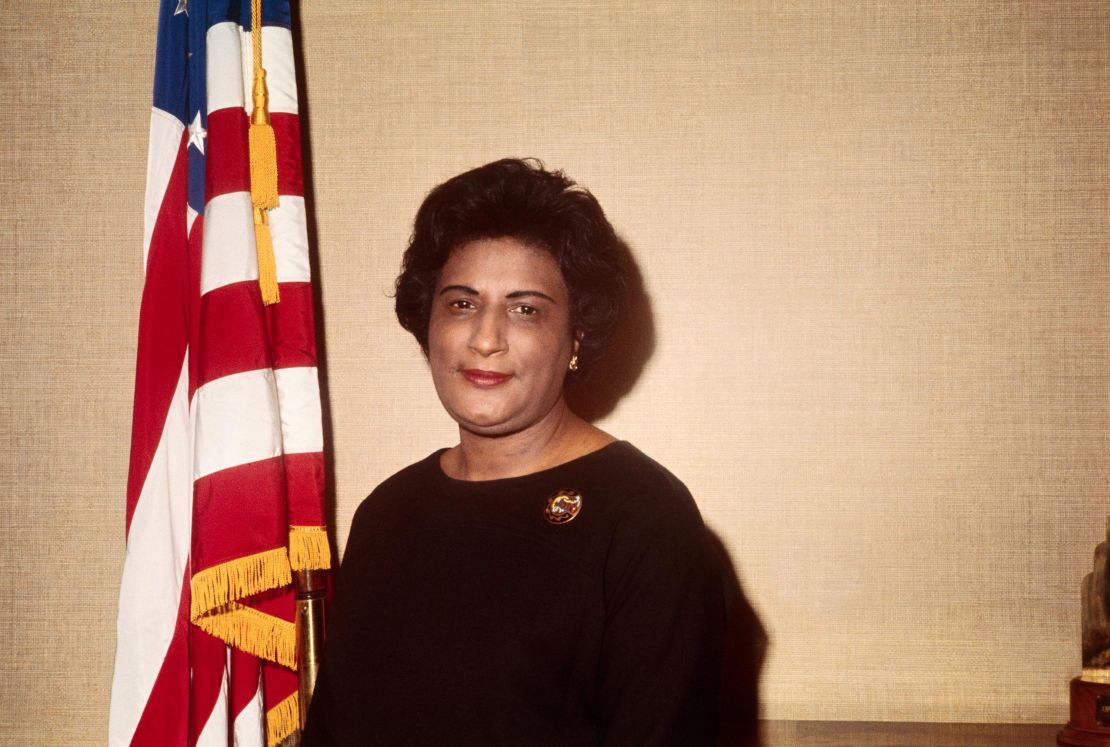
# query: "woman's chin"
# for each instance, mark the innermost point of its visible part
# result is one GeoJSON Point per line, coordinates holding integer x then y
{"type": "Point", "coordinates": [502, 417]}
{"type": "Point", "coordinates": [488, 427]}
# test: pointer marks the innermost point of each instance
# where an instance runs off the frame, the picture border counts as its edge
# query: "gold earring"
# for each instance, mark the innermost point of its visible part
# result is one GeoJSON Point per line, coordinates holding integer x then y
{"type": "Point", "coordinates": [573, 363]}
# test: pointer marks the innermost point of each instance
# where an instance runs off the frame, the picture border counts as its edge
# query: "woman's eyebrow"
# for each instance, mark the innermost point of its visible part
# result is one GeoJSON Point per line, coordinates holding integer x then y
{"type": "Point", "coordinates": [459, 288]}
{"type": "Point", "coordinates": [526, 293]}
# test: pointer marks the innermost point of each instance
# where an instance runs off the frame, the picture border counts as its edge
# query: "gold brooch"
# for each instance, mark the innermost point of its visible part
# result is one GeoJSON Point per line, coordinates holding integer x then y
{"type": "Point", "coordinates": [563, 506]}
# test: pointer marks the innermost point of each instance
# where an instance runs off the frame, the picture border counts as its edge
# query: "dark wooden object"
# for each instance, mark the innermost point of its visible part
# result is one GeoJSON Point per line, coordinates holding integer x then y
{"type": "Point", "coordinates": [1096, 615]}
{"type": "Point", "coordinates": [1089, 725]}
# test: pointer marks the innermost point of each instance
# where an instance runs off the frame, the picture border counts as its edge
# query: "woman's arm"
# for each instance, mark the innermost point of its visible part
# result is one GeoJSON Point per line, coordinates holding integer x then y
{"type": "Point", "coordinates": [664, 630]}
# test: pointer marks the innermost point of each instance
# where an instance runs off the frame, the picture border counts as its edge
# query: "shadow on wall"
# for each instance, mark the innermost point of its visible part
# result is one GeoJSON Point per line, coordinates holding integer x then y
{"type": "Point", "coordinates": [614, 375]}
{"type": "Point", "coordinates": [742, 661]}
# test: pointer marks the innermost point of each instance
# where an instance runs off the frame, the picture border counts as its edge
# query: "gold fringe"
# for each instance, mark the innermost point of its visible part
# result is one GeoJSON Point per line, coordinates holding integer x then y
{"type": "Point", "coordinates": [293, 740]}
{"type": "Point", "coordinates": [216, 586]}
{"type": "Point", "coordinates": [308, 548]}
{"type": "Point", "coordinates": [255, 632]}
{"type": "Point", "coordinates": [282, 720]}
{"type": "Point", "coordinates": [267, 265]}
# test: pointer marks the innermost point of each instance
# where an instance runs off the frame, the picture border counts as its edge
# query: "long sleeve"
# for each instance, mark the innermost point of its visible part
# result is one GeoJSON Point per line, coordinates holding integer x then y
{"type": "Point", "coordinates": [317, 732]}
{"type": "Point", "coordinates": [664, 629]}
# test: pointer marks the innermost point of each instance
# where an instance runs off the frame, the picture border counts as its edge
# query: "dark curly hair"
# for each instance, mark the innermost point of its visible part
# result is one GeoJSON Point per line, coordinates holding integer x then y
{"type": "Point", "coordinates": [520, 199]}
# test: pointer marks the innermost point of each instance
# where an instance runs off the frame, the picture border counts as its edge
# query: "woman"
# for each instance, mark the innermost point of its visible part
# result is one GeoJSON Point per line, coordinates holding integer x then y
{"type": "Point", "coordinates": [539, 583]}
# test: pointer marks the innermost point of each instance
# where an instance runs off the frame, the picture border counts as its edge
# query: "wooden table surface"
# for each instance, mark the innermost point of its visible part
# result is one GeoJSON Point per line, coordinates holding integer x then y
{"type": "Point", "coordinates": [890, 734]}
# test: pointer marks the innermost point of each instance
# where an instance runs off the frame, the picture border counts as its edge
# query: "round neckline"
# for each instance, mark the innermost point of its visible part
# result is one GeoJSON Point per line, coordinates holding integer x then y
{"type": "Point", "coordinates": [434, 458]}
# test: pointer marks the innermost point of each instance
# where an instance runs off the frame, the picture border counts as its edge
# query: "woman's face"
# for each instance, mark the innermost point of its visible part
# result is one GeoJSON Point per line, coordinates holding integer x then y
{"type": "Point", "coordinates": [499, 338]}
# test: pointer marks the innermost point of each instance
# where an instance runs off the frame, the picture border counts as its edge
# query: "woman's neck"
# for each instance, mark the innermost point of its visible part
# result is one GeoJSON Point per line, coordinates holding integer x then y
{"type": "Point", "coordinates": [557, 438]}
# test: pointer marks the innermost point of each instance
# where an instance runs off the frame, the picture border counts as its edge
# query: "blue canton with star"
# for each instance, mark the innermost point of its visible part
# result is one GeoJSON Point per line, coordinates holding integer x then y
{"type": "Point", "coordinates": [180, 68]}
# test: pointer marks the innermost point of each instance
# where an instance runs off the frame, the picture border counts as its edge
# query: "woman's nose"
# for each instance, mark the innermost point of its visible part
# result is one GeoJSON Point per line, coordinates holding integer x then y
{"type": "Point", "coordinates": [488, 336]}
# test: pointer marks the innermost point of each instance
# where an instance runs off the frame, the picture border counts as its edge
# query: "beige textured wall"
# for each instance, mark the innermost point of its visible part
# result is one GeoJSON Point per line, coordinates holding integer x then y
{"type": "Point", "coordinates": [875, 238]}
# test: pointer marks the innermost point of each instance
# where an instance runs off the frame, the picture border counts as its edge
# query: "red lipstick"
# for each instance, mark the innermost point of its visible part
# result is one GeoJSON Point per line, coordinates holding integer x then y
{"type": "Point", "coordinates": [481, 378]}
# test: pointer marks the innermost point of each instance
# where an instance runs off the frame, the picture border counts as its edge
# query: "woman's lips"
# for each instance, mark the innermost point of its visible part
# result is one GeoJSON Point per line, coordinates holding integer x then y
{"type": "Point", "coordinates": [478, 377]}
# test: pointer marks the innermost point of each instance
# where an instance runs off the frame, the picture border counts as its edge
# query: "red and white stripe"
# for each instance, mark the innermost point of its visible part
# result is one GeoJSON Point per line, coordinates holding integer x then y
{"type": "Point", "coordinates": [209, 405]}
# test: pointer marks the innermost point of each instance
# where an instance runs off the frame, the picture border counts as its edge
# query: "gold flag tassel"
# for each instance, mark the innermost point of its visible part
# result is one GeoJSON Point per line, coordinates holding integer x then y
{"type": "Point", "coordinates": [263, 160]}
{"type": "Point", "coordinates": [267, 266]}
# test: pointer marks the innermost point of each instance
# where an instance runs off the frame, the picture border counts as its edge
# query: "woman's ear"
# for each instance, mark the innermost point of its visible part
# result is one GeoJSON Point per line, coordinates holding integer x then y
{"type": "Point", "coordinates": [579, 335]}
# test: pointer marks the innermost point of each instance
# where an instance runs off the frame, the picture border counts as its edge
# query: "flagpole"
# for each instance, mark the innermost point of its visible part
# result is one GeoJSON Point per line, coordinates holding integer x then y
{"type": "Point", "coordinates": [310, 585]}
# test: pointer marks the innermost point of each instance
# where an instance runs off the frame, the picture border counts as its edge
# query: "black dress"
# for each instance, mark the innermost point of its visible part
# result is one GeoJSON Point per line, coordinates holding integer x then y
{"type": "Point", "coordinates": [463, 616]}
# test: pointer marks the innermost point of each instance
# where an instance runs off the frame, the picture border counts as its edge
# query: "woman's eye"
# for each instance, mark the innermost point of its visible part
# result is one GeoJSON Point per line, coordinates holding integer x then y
{"type": "Point", "coordinates": [461, 303]}
{"type": "Point", "coordinates": [526, 310]}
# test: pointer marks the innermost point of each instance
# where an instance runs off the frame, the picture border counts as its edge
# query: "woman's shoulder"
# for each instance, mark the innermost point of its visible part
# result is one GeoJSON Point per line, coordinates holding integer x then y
{"type": "Point", "coordinates": [402, 484]}
{"type": "Point", "coordinates": [656, 530]}
{"type": "Point", "coordinates": [417, 475]}
{"type": "Point", "coordinates": [640, 490]}
{"type": "Point", "coordinates": [636, 471]}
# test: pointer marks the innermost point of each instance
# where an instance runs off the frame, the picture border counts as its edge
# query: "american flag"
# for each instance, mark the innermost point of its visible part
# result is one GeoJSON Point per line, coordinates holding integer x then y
{"type": "Point", "coordinates": [224, 494]}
